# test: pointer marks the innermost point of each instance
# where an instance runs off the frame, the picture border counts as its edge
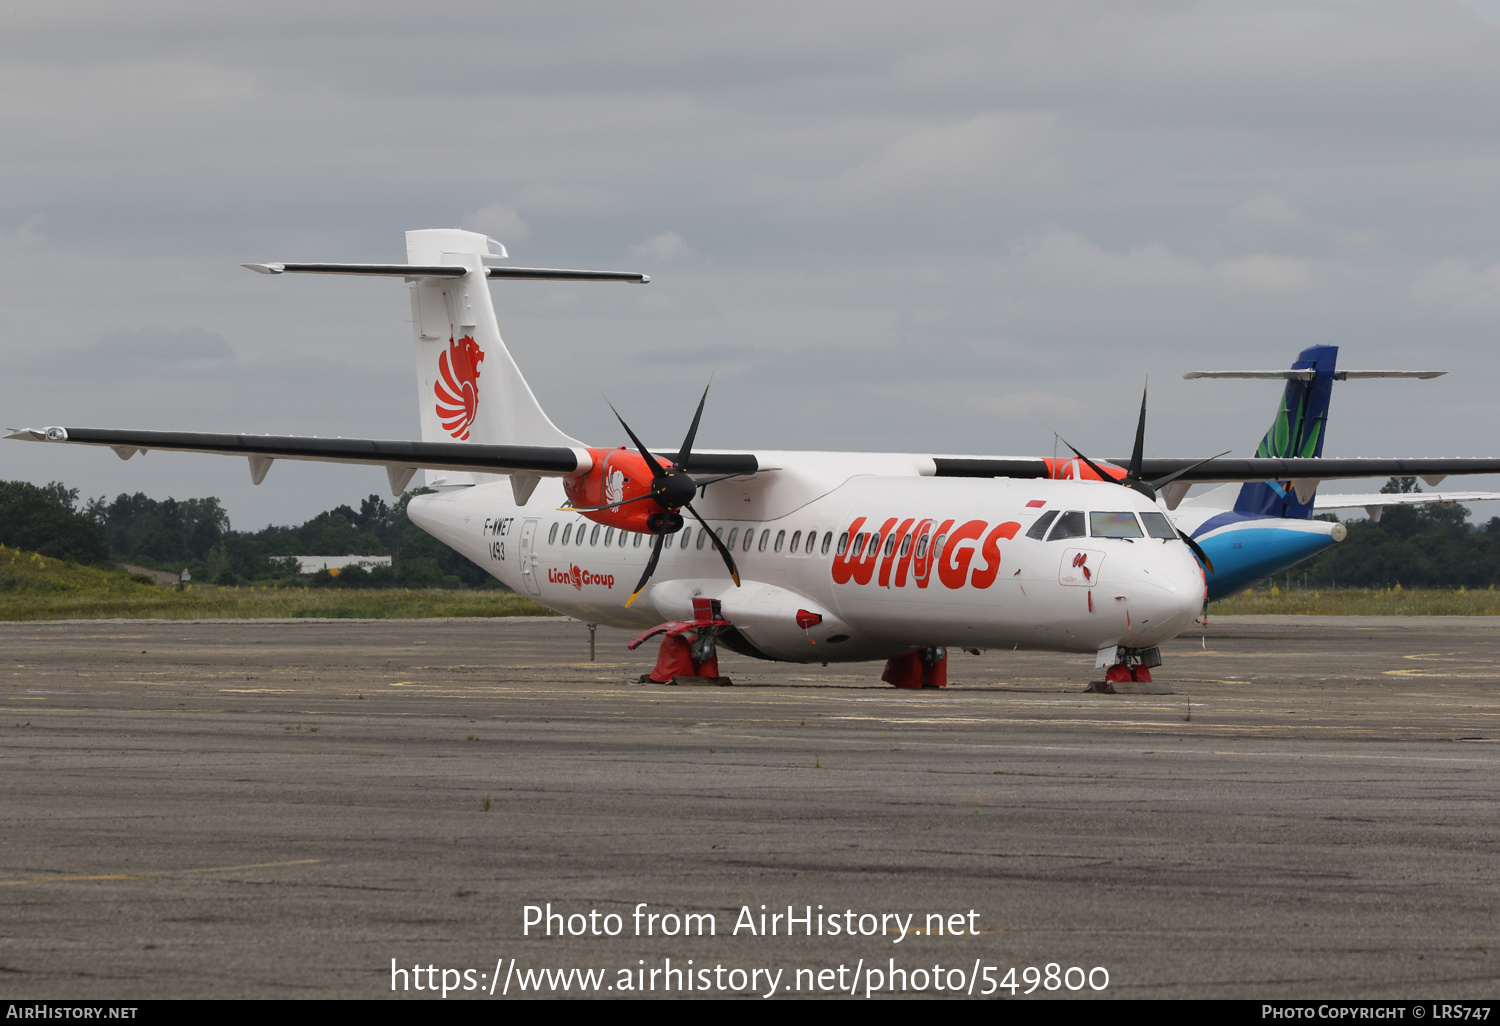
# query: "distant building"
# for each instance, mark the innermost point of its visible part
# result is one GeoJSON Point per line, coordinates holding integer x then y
{"type": "Point", "coordinates": [333, 564]}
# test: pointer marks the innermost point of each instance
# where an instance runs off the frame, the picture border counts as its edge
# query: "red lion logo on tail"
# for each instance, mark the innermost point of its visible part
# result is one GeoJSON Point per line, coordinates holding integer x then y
{"type": "Point", "coordinates": [458, 386]}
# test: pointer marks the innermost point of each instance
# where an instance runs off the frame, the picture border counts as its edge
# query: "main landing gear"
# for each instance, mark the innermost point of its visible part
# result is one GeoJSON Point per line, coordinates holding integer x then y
{"type": "Point", "coordinates": [689, 648]}
{"type": "Point", "coordinates": [919, 668]}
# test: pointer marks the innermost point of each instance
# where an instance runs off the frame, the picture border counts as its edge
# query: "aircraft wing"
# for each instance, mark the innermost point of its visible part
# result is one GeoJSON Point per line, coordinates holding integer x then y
{"type": "Point", "coordinates": [1382, 499]}
{"type": "Point", "coordinates": [1375, 504]}
{"type": "Point", "coordinates": [400, 458]}
{"type": "Point", "coordinates": [1228, 468]}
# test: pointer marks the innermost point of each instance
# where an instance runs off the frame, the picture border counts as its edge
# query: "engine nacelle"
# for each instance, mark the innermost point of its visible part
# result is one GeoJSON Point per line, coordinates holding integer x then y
{"type": "Point", "coordinates": [619, 474]}
{"type": "Point", "coordinates": [1077, 470]}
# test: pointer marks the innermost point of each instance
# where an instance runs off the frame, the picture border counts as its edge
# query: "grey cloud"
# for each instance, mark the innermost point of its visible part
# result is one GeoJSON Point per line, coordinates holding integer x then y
{"type": "Point", "coordinates": [913, 227]}
{"type": "Point", "coordinates": [128, 354]}
{"type": "Point", "coordinates": [149, 348]}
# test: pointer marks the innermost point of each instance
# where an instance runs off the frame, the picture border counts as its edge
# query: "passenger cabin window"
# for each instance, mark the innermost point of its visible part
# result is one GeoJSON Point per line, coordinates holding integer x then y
{"type": "Point", "coordinates": [1157, 526]}
{"type": "Point", "coordinates": [1114, 525]}
{"type": "Point", "coordinates": [843, 543]}
{"type": "Point", "coordinates": [780, 540]}
{"type": "Point", "coordinates": [890, 543]}
{"type": "Point", "coordinates": [734, 534]}
{"type": "Point", "coordinates": [638, 538]}
{"type": "Point", "coordinates": [594, 535]}
{"type": "Point", "coordinates": [552, 535]}
{"type": "Point", "coordinates": [812, 540]}
{"type": "Point", "coordinates": [609, 536]}
{"type": "Point", "coordinates": [796, 542]}
{"type": "Point", "coordinates": [702, 538]}
{"type": "Point", "coordinates": [686, 533]}
{"type": "Point", "coordinates": [827, 538]}
{"type": "Point", "coordinates": [749, 539]}
{"type": "Point", "coordinates": [765, 536]}
{"type": "Point", "coordinates": [1038, 530]}
{"type": "Point", "coordinates": [1069, 525]}
{"type": "Point", "coordinates": [567, 533]}
{"type": "Point", "coordinates": [922, 547]}
{"type": "Point", "coordinates": [905, 546]}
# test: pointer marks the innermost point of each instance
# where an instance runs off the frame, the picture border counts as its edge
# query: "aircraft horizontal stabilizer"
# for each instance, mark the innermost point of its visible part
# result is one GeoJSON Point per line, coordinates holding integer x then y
{"type": "Point", "coordinates": [1309, 373]}
{"type": "Point", "coordinates": [415, 271]}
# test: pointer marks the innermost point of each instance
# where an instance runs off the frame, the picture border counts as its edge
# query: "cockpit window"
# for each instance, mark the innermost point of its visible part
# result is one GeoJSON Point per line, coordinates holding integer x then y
{"type": "Point", "coordinates": [1039, 529]}
{"type": "Point", "coordinates": [1114, 525]}
{"type": "Point", "coordinates": [1157, 526]}
{"type": "Point", "coordinates": [1069, 525]}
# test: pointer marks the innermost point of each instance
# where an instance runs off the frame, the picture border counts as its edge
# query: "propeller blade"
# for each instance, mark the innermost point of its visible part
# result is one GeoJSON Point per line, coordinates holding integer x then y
{"type": "Point", "coordinates": [595, 509]}
{"type": "Point", "coordinates": [656, 548]}
{"type": "Point", "coordinates": [1162, 481]}
{"type": "Point", "coordinates": [656, 470]}
{"type": "Point", "coordinates": [1208, 564]}
{"type": "Point", "coordinates": [1091, 464]}
{"type": "Point", "coordinates": [687, 443]}
{"type": "Point", "coordinates": [734, 571]}
{"type": "Point", "coordinates": [1134, 471]}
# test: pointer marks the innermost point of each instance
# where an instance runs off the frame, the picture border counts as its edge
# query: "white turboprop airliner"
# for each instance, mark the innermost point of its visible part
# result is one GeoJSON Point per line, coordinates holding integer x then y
{"type": "Point", "coordinates": [796, 556]}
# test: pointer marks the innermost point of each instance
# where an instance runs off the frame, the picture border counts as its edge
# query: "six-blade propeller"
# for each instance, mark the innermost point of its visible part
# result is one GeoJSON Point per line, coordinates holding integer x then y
{"type": "Point", "coordinates": [672, 489]}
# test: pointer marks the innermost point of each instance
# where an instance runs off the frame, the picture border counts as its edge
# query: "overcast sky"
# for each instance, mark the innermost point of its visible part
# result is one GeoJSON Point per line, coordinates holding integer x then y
{"type": "Point", "coordinates": [938, 227]}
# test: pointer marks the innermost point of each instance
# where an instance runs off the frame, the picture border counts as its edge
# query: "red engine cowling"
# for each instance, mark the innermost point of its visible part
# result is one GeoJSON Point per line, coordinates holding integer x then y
{"type": "Point", "coordinates": [617, 474]}
{"type": "Point", "coordinates": [1077, 470]}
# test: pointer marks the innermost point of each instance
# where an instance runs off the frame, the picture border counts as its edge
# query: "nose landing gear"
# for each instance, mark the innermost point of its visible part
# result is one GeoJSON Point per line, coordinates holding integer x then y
{"type": "Point", "coordinates": [1127, 666]}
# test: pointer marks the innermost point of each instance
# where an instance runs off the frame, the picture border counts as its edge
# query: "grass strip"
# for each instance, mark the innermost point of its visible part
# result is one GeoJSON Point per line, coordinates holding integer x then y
{"type": "Point", "coordinates": [1360, 602]}
{"type": "Point", "coordinates": [33, 587]}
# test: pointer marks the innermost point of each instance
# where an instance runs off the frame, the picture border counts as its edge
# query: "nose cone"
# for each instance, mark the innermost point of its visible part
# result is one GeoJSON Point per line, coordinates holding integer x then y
{"type": "Point", "coordinates": [1166, 595]}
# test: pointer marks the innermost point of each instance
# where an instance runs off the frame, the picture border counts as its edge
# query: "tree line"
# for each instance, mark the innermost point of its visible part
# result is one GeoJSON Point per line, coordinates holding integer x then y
{"type": "Point", "coordinates": [1413, 546]}
{"type": "Point", "coordinates": [173, 534]}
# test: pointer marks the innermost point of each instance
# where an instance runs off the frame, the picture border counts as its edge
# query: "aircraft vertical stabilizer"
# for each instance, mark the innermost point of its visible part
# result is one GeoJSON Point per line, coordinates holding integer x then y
{"type": "Point", "coordinates": [1297, 431]}
{"type": "Point", "coordinates": [469, 389]}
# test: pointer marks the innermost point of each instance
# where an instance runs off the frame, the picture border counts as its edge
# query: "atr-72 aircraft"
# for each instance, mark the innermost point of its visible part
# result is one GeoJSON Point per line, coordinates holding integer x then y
{"type": "Point", "coordinates": [795, 556]}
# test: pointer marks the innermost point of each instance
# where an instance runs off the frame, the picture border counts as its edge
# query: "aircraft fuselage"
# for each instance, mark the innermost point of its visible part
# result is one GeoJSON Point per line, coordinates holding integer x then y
{"type": "Point", "coordinates": [952, 565]}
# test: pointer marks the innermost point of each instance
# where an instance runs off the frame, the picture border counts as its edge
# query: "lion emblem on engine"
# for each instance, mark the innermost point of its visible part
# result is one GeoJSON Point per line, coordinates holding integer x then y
{"type": "Point", "coordinates": [614, 487]}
